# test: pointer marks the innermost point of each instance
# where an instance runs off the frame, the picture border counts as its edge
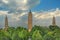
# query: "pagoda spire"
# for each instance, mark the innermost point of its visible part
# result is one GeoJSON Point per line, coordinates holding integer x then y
{"type": "Point", "coordinates": [6, 22]}
{"type": "Point", "coordinates": [29, 21]}
{"type": "Point", "coordinates": [53, 21]}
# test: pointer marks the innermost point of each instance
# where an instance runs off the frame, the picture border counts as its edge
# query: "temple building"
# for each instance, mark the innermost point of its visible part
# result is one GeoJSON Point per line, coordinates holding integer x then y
{"type": "Point", "coordinates": [6, 23]}
{"type": "Point", "coordinates": [29, 21]}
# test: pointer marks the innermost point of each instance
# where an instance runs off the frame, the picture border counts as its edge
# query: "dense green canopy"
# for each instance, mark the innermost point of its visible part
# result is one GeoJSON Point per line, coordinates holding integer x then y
{"type": "Point", "coordinates": [37, 33]}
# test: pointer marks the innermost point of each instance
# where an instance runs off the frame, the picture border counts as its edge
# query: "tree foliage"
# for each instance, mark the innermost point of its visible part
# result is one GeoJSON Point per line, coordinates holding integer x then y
{"type": "Point", "coordinates": [37, 33]}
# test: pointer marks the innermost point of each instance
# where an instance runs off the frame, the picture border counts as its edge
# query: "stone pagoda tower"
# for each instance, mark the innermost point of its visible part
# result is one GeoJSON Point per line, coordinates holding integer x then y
{"type": "Point", "coordinates": [30, 21]}
{"type": "Point", "coordinates": [53, 21]}
{"type": "Point", "coordinates": [6, 23]}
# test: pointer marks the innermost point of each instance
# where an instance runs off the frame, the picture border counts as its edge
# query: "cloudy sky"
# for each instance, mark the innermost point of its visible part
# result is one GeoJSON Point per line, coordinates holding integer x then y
{"type": "Point", "coordinates": [17, 12]}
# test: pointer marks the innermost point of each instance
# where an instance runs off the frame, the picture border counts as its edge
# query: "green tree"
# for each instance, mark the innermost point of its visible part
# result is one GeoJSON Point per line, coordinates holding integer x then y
{"type": "Point", "coordinates": [3, 36]}
{"type": "Point", "coordinates": [36, 35]}
{"type": "Point", "coordinates": [49, 36]}
{"type": "Point", "coordinates": [53, 27]}
{"type": "Point", "coordinates": [23, 34]}
{"type": "Point", "coordinates": [57, 34]}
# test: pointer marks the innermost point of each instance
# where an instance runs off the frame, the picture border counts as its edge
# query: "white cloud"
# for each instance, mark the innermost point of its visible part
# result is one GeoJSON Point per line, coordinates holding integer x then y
{"type": "Point", "coordinates": [27, 4]}
{"type": "Point", "coordinates": [3, 12]}
{"type": "Point", "coordinates": [21, 4]}
{"type": "Point", "coordinates": [18, 16]}
{"type": "Point", "coordinates": [12, 16]}
{"type": "Point", "coordinates": [5, 1]}
{"type": "Point", "coordinates": [47, 14]}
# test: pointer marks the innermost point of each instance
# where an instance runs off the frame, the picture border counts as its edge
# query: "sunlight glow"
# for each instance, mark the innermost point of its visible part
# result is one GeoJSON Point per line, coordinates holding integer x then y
{"type": "Point", "coordinates": [5, 1]}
